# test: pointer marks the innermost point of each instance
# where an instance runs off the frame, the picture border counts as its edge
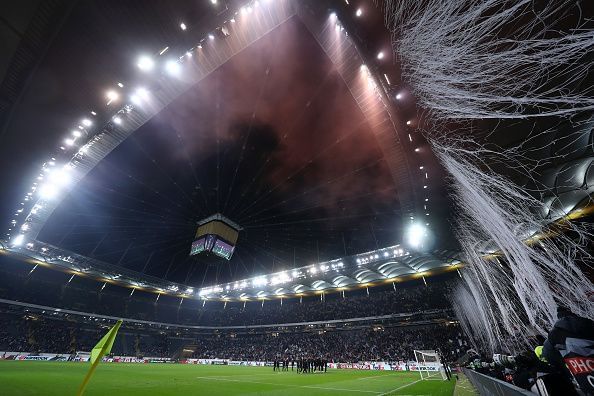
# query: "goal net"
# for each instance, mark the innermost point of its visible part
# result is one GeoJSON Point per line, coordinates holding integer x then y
{"type": "Point", "coordinates": [429, 365]}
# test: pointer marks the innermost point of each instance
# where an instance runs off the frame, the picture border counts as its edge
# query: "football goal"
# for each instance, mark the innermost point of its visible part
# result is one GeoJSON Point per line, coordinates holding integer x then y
{"type": "Point", "coordinates": [429, 365]}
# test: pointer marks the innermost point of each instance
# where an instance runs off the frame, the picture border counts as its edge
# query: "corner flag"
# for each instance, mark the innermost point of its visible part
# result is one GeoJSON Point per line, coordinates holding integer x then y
{"type": "Point", "coordinates": [102, 348]}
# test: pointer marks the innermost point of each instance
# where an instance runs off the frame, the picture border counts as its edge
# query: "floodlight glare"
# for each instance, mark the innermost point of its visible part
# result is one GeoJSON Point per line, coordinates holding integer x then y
{"type": "Point", "coordinates": [18, 240]}
{"type": "Point", "coordinates": [48, 191]}
{"type": "Point", "coordinates": [117, 120]}
{"type": "Point", "coordinates": [359, 12]}
{"type": "Point", "coordinates": [183, 26]}
{"type": "Point", "coordinates": [145, 63]}
{"type": "Point", "coordinates": [380, 55]}
{"type": "Point", "coordinates": [398, 96]}
{"type": "Point", "coordinates": [69, 142]}
{"type": "Point", "coordinates": [76, 133]}
{"type": "Point", "coordinates": [86, 122]}
{"type": "Point", "coordinates": [172, 67]}
{"type": "Point", "coordinates": [61, 177]}
{"type": "Point", "coordinates": [416, 235]}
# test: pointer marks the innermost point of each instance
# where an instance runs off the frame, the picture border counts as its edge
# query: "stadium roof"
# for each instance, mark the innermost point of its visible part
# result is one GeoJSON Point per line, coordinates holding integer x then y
{"type": "Point", "coordinates": [389, 264]}
{"type": "Point", "coordinates": [324, 170]}
{"type": "Point", "coordinates": [288, 117]}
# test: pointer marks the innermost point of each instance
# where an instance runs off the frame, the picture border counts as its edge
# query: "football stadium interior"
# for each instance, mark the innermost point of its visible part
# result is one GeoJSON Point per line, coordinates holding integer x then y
{"type": "Point", "coordinates": [297, 197]}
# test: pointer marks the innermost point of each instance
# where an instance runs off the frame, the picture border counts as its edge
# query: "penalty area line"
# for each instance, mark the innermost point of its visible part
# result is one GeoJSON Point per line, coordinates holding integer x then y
{"type": "Point", "coordinates": [289, 385]}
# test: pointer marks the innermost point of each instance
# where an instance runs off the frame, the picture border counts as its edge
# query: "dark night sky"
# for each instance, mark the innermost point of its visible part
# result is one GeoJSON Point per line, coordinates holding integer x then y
{"type": "Point", "coordinates": [272, 139]}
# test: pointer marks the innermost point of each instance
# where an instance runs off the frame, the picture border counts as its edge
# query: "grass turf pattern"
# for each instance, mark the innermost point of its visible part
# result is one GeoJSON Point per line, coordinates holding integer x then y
{"type": "Point", "coordinates": [63, 378]}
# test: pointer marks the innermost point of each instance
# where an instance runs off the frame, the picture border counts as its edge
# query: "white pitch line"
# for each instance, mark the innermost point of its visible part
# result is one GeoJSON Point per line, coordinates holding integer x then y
{"type": "Point", "coordinates": [400, 387]}
{"type": "Point", "coordinates": [288, 385]}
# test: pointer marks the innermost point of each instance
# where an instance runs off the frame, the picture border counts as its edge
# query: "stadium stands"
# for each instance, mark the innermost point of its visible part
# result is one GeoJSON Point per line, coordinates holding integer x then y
{"type": "Point", "coordinates": [23, 331]}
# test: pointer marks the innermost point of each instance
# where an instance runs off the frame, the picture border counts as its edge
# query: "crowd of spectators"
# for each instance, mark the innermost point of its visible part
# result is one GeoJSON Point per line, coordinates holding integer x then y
{"type": "Point", "coordinates": [379, 344]}
{"type": "Point", "coordinates": [377, 303]}
{"type": "Point", "coordinates": [34, 333]}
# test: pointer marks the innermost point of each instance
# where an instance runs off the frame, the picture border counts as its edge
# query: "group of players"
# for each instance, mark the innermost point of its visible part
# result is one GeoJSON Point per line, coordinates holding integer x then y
{"type": "Point", "coordinates": [303, 365]}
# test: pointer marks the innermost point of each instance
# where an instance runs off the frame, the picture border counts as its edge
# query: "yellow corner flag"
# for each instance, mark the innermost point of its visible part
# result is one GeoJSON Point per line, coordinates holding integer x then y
{"type": "Point", "coordinates": [102, 348]}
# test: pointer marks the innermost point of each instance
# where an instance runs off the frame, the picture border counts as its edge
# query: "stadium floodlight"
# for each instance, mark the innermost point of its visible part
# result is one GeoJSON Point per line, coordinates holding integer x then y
{"type": "Point", "coordinates": [111, 96]}
{"type": "Point", "coordinates": [183, 26]}
{"type": "Point", "coordinates": [117, 120]}
{"type": "Point", "coordinates": [213, 1]}
{"type": "Point", "coordinates": [211, 36]}
{"type": "Point", "coordinates": [189, 54]}
{"type": "Point", "coordinates": [69, 142]}
{"type": "Point", "coordinates": [380, 55]}
{"type": "Point", "coordinates": [260, 281]}
{"type": "Point", "coordinates": [398, 96]}
{"type": "Point", "coordinates": [333, 16]}
{"type": "Point", "coordinates": [172, 67]}
{"type": "Point", "coordinates": [417, 150]}
{"type": "Point", "coordinates": [76, 133]}
{"type": "Point", "coordinates": [359, 12]}
{"type": "Point", "coordinates": [140, 95]}
{"type": "Point", "coordinates": [416, 235]}
{"type": "Point", "coordinates": [86, 122]}
{"type": "Point", "coordinates": [408, 122]}
{"type": "Point", "coordinates": [18, 240]}
{"type": "Point", "coordinates": [145, 63]}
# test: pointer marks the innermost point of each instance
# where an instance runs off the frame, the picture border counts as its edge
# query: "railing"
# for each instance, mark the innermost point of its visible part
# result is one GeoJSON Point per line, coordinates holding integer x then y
{"type": "Point", "coordinates": [488, 386]}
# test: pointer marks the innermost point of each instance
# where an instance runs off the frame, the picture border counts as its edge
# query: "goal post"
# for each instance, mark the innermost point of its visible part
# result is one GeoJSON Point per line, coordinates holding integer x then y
{"type": "Point", "coordinates": [429, 365]}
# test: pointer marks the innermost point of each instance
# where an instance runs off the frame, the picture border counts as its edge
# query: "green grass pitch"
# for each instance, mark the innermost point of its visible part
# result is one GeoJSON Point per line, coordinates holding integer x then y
{"type": "Point", "coordinates": [61, 378]}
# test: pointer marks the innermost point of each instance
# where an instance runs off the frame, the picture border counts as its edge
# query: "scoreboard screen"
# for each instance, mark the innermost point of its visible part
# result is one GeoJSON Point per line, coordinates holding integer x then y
{"type": "Point", "coordinates": [197, 246]}
{"type": "Point", "coordinates": [213, 244]}
{"type": "Point", "coordinates": [223, 249]}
